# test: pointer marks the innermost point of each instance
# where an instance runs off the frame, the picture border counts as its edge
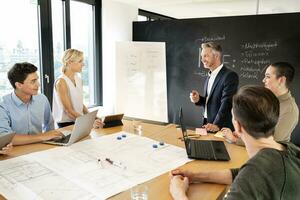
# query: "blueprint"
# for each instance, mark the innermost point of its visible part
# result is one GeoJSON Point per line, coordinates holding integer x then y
{"type": "Point", "coordinates": [92, 169]}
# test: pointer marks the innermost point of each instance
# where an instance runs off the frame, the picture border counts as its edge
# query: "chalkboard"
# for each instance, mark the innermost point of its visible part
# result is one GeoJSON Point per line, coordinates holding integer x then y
{"type": "Point", "coordinates": [249, 44]}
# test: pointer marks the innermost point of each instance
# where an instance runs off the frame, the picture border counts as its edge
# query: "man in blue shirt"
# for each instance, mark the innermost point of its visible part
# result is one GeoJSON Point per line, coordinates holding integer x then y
{"type": "Point", "coordinates": [24, 111]}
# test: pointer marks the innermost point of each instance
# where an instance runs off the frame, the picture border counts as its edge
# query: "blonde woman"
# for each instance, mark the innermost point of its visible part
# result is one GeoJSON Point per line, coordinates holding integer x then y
{"type": "Point", "coordinates": [68, 92]}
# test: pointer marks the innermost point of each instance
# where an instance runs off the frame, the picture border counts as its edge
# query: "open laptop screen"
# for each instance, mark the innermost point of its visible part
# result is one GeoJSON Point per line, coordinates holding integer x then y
{"type": "Point", "coordinates": [183, 128]}
{"type": "Point", "coordinates": [203, 149]}
{"type": "Point", "coordinates": [184, 131]}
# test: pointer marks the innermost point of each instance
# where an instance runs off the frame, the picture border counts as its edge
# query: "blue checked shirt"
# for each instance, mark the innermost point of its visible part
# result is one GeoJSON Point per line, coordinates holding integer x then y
{"type": "Point", "coordinates": [27, 119]}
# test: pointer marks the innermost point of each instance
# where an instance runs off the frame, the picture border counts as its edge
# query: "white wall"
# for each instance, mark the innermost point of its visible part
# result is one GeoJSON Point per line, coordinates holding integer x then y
{"type": "Point", "coordinates": [117, 21]}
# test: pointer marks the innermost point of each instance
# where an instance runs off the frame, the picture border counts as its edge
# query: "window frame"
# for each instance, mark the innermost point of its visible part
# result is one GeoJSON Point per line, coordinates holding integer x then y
{"type": "Point", "coordinates": [46, 48]}
{"type": "Point", "coordinates": [46, 45]}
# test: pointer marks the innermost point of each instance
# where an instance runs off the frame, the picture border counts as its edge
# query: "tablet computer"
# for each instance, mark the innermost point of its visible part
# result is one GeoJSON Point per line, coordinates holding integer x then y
{"type": "Point", "coordinates": [6, 139]}
{"type": "Point", "coordinates": [113, 120]}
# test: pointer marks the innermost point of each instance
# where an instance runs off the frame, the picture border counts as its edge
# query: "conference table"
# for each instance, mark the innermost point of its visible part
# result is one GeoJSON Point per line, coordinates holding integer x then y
{"type": "Point", "coordinates": [159, 186]}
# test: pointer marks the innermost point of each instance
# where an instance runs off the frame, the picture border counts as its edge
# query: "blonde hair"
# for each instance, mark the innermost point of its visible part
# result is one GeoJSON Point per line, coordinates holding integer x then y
{"type": "Point", "coordinates": [70, 55]}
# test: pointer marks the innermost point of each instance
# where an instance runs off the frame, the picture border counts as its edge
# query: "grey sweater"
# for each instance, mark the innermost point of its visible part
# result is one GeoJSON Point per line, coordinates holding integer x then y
{"type": "Point", "coordinates": [270, 174]}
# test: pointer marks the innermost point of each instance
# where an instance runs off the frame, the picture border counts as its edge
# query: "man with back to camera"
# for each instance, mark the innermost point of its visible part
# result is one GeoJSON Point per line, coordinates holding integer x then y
{"type": "Point", "coordinates": [273, 170]}
{"type": "Point", "coordinates": [220, 86]}
{"type": "Point", "coordinates": [24, 111]}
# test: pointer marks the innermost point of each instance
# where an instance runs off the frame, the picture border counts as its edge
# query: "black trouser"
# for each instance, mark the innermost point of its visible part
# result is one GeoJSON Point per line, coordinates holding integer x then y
{"type": "Point", "coordinates": [204, 121]}
{"type": "Point", "coordinates": [64, 124]}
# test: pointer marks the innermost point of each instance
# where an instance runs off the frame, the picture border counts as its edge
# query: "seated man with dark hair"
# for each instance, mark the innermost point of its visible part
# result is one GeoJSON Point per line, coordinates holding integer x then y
{"type": "Point", "coordinates": [273, 170]}
{"type": "Point", "coordinates": [24, 111]}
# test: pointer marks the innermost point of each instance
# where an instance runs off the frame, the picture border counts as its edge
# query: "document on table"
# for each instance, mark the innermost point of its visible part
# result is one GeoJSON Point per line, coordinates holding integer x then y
{"type": "Point", "coordinates": [91, 169]}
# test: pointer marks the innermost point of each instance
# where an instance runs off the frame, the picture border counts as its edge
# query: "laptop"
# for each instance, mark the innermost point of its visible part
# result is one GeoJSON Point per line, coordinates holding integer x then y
{"type": "Point", "coordinates": [5, 139]}
{"type": "Point", "coordinates": [82, 128]}
{"type": "Point", "coordinates": [203, 149]}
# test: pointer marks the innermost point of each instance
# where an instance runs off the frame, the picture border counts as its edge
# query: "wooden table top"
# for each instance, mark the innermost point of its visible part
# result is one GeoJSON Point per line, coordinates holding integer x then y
{"type": "Point", "coordinates": [159, 186]}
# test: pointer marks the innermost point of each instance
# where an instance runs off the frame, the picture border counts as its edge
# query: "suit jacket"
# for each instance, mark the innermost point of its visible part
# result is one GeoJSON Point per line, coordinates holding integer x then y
{"type": "Point", "coordinates": [219, 102]}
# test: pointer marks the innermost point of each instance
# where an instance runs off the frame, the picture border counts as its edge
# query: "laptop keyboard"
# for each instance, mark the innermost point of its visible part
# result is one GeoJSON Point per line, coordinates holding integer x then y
{"type": "Point", "coordinates": [202, 149]}
{"type": "Point", "coordinates": [220, 150]}
{"type": "Point", "coordinates": [64, 139]}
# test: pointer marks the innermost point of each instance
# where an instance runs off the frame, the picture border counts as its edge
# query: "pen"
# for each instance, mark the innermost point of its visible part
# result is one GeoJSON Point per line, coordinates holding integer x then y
{"type": "Point", "coordinates": [115, 163]}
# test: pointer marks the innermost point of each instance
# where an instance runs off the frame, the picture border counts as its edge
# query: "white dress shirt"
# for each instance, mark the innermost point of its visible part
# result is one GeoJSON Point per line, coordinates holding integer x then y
{"type": "Point", "coordinates": [212, 76]}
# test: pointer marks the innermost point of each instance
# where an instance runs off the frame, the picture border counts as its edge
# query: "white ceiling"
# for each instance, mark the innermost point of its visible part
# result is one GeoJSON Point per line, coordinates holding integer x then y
{"type": "Point", "coordinates": [211, 8]}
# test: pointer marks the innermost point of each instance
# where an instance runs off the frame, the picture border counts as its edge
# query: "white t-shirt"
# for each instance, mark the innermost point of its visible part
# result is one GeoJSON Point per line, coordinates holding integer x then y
{"type": "Point", "coordinates": [76, 97]}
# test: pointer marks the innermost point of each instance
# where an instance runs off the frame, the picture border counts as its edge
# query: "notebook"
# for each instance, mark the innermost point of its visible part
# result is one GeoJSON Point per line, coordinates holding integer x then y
{"type": "Point", "coordinates": [81, 128]}
{"type": "Point", "coordinates": [203, 149]}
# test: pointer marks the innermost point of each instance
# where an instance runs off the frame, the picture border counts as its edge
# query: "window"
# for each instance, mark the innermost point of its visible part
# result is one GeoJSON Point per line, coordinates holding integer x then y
{"type": "Point", "coordinates": [73, 25]}
{"type": "Point", "coordinates": [82, 38]}
{"type": "Point", "coordinates": [58, 35]}
{"type": "Point", "coordinates": [19, 37]}
{"type": "Point", "coordinates": [38, 32]}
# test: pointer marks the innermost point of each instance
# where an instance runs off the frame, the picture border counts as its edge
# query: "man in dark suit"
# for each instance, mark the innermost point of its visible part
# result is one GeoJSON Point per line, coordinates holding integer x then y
{"type": "Point", "coordinates": [220, 86]}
